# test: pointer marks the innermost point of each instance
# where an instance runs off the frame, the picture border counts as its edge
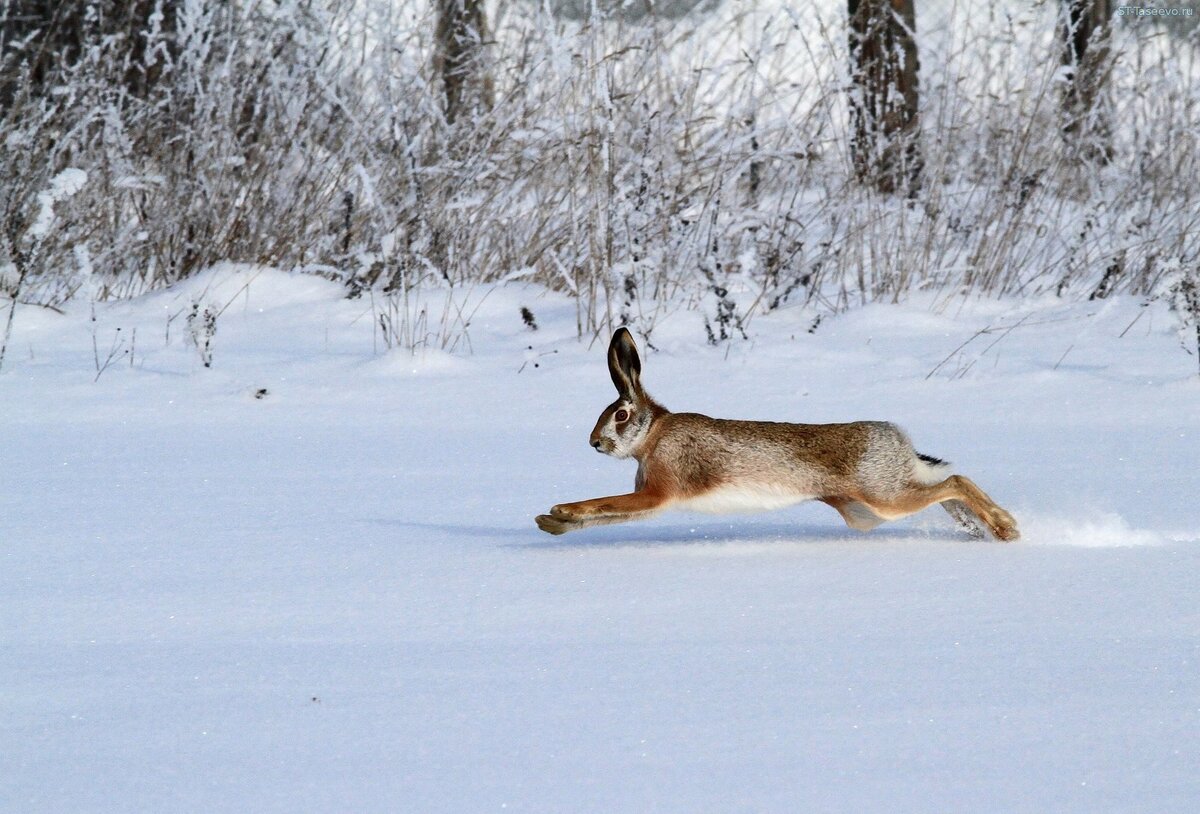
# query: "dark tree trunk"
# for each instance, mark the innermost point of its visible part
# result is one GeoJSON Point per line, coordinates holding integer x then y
{"type": "Point", "coordinates": [1084, 31]}
{"type": "Point", "coordinates": [460, 39]}
{"type": "Point", "coordinates": [35, 38]}
{"type": "Point", "coordinates": [885, 143]}
{"type": "Point", "coordinates": [38, 39]}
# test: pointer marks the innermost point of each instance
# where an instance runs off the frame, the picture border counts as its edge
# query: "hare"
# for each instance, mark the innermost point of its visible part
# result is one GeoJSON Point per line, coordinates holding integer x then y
{"type": "Point", "coordinates": [867, 470]}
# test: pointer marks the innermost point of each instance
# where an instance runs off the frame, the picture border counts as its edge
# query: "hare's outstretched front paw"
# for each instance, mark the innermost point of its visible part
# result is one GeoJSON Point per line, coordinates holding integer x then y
{"type": "Point", "coordinates": [565, 512]}
{"type": "Point", "coordinates": [553, 525]}
{"type": "Point", "coordinates": [560, 520]}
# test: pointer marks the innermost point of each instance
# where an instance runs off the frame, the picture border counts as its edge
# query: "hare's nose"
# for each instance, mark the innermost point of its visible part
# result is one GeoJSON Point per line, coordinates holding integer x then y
{"type": "Point", "coordinates": [596, 443]}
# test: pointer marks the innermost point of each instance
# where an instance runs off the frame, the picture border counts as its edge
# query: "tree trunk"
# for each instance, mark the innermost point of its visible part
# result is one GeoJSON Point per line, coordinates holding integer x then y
{"type": "Point", "coordinates": [1084, 30]}
{"type": "Point", "coordinates": [885, 143]}
{"type": "Point", "coordinates": [459, 39]}
{"type": "Point", "coordinates": [39, 38]}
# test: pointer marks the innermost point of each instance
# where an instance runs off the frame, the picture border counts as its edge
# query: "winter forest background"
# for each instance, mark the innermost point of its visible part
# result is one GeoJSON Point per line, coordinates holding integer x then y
{"type": "Point", "coordinates": [727, 157]}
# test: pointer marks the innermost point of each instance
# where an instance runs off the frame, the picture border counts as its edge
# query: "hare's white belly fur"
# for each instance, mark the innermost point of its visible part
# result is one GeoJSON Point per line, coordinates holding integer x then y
{"type": "Point", "coordinates": [731, 498]}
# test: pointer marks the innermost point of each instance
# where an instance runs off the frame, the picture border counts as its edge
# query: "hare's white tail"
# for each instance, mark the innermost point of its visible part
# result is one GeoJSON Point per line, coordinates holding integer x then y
{"type": "Point", "coordinates": [929, 470]}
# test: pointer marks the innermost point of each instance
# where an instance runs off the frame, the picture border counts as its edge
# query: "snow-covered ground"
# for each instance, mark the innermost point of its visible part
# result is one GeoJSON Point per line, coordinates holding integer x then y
{"type": "Point", "coordinates": [334, 598]}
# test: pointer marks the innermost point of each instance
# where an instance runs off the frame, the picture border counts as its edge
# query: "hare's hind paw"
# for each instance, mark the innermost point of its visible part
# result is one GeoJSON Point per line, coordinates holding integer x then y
{"type": "Point", "coordinates": [1006, 533]}
{"type": "Point", "coordinates": [1003, 526]}
{"type": "Point", "coordinates": [553, 525]}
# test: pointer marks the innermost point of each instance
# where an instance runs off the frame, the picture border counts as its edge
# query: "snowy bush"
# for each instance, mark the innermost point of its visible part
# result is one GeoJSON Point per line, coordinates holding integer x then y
{"type": "Point", "coordinates": [640, 163]}
{"type": "Point", "coordinates": [1180, 287]}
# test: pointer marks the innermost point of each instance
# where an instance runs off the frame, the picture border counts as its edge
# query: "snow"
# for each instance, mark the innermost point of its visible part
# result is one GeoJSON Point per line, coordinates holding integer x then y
{"type": "Point", "coordinates": [334, 597]}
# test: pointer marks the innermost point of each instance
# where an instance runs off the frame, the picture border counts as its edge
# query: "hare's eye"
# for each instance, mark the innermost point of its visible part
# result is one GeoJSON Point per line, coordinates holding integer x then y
{"type": "Point", "coordinates": [622, 415]}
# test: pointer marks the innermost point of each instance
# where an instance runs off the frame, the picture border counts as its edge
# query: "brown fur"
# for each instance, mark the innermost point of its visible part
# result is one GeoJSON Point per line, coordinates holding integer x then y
{"type": "Point", "coordinates": [867, 470]}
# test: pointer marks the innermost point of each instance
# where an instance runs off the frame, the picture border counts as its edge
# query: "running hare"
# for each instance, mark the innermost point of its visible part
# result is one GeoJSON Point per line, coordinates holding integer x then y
{"type": "Point", "coordinates": [867, 470]}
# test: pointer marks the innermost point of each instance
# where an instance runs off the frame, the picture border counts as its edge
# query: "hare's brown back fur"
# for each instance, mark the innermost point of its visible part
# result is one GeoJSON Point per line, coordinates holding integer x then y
{"type": "Point", "coordinates": [687, 454]}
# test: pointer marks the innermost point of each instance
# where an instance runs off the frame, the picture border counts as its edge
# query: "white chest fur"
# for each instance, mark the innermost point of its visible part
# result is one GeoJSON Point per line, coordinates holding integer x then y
{"type": "Point", "coordinates": [743, 497]}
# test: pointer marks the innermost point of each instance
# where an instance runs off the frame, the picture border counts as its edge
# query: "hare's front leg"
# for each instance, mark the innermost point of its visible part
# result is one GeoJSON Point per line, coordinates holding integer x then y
{"type": "Point", "coordinates": [599, 511]}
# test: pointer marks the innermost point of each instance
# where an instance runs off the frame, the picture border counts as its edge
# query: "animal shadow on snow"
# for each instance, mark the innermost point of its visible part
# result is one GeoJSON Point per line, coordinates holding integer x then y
{"type": "Point", "coordinates": [706, 534]}
{"type": "Point", "coordinates": [699, 534]}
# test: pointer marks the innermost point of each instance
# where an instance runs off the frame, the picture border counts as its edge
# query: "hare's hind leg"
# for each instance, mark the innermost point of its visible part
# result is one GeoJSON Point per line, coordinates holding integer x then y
{"type": "Point", "coordinates": [953, 488]}
{"type": "Point", "coordinates": [599, 511]}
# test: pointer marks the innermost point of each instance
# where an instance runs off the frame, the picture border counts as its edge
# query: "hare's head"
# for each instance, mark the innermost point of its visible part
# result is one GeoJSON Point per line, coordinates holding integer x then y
{"type": "Point", "coordinates": [625, 423]}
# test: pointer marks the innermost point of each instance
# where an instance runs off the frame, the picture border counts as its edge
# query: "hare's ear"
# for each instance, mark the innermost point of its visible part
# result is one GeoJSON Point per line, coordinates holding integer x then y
{"type": "Point", "coordinates": [624, 364]}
